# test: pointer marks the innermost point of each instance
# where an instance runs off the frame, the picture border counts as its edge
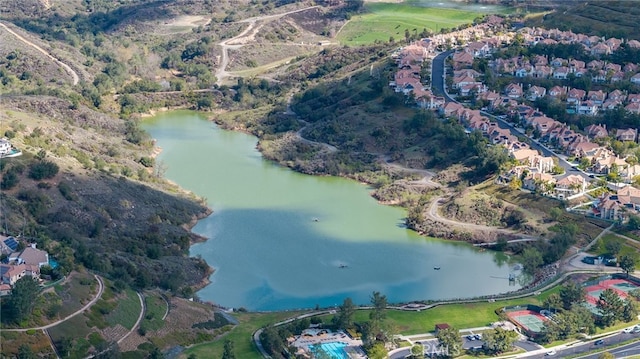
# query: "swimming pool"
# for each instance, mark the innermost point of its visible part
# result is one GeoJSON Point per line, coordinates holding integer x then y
{"type": "Point", "coordinates": [334, 350]}
{"type": "Point", "coordinates": [53, 263]}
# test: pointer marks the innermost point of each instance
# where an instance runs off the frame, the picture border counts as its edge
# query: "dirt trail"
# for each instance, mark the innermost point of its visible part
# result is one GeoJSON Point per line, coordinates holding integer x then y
{"type": "Point", "coordinates": [246, 36]}
{"type": "Point", "coordinates": [67, 68]}
{"type": "Point", "coordinates": [434, 215]}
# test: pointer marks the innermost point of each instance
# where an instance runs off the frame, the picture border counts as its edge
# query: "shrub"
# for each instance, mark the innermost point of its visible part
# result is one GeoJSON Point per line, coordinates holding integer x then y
{"type": "Point", "coordinates": [42, 170]}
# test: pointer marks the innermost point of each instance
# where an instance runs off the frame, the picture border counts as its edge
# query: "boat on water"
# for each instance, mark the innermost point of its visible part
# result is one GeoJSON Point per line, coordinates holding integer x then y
{"type": "Point", "coordinates": [343, 266]}
{"type": "Point", "coordinates": [436, 268]}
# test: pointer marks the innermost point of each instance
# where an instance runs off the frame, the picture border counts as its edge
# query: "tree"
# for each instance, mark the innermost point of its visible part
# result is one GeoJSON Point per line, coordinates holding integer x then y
{"type": "Point", "coordinates": [417, 351]}
{"type": "Point", "coordinates": [628, 263]}
{"type": "Point", "coordinates": [228, 350]}
{"type": "Point", "coordinates": [613, 246]}
{"type": "Point", "coordinates": [610, 306]}
{"type": "Point", "coordinates": [553, 301]}
{"type": "Point", "coordinates": [379, 303]}
{"type": "Point", "coordinates": [450, 342]}
{"type": "Point", "coordinates": [571, 293]}
{"type": "Point", "coordinates": [531, 260]}
{"type": "Point", "coordinates": [25, 352]}
{"type": "Point", "coordinates": [20, 304]}
{"type": "Point", "coordinates": [377, 351]}
{"type": "Point", "coordinates": [606, 355]}
{"type": "Point", "coordinates": [344, 318]}
{"type": "Point", "coordinates": [43, 170]}
{"type": "Point", "coordinates": [499, 340]}
{"type": "Point", "coordinates": [629, 310]}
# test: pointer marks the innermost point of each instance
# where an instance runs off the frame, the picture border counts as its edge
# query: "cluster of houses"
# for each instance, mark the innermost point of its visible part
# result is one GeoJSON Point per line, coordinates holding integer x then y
{"type": "Point", "coordinates": [533, 169]}
{"type": "Point", "coordinates": [19, 263]}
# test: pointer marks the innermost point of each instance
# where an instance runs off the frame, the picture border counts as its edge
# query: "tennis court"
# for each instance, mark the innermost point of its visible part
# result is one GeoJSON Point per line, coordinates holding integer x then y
{"type": "Point", "coordinates": [529, 320]}
{"type": "Point", "coordinates": [620, 286]}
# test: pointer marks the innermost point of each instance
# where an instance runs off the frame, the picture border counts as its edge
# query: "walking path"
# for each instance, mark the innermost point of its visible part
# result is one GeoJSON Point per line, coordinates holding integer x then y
{"type": "Point", "coordinates": [100, 290]}
{"type": "Point", "coordinates": [433, 214]}
{"type": "Point", "coordinates": [66, 67]}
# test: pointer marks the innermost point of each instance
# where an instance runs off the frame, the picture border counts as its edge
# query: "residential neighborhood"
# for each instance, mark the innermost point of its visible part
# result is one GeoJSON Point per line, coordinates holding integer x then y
{"type": "Point", "coordinates": [589, 149]}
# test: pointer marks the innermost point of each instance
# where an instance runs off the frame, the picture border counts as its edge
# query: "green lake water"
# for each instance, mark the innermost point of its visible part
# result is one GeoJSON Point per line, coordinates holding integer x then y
{"type": "Point", "coordinates": [283, 240]}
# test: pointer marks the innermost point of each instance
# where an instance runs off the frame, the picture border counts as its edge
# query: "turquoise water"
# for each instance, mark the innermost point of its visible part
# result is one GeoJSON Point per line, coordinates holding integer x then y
{"type": "Point", "coordinates": [53, 263]}
{"type": "Point", "coordinates": [269, 253]}
{"type": "Point", "coordinates": [334, 350]}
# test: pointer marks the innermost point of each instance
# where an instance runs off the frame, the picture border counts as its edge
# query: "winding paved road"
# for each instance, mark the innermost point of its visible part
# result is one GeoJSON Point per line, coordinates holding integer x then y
{"type": "Point", "coordinates": [92, 302]}
{"type": "Point", "coordinates": [66, 67]}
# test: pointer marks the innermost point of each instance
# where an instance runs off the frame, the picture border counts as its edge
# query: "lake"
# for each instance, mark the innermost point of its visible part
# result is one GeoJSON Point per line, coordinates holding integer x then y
{"type": "Point", "coordinates": [283, 240]}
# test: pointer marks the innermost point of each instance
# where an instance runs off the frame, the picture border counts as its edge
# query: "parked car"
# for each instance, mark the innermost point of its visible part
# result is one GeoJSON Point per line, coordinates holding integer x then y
{"type": "Point", "coordinates": [598, 342]}
{"type": "Point", "coordinates": [627, 330]}
{"type": "Point", "coordinates": [551, 352]}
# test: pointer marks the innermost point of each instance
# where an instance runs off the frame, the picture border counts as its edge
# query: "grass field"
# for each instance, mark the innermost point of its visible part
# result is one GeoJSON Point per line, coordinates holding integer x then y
{"type": "Point", "coordinates": [156, 307]}
{"type": "Point", "coordinates": [626, 247]}
{"type": "Point", "coordinates": [384, 20]}
{"type": "Point", "coordinates": [127, 311]}
{"type": "Point", "coordinates": [240, 335]}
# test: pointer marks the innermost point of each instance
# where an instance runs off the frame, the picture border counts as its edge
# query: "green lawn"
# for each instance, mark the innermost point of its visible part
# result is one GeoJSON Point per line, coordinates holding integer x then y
{"type": "Point", "coordinates": [156, 307]}
{"type": "Point", "coordinates": [127, 311]}
{"type": "Point", "coordinates": [240, 335]}
{"type": "Point", "coordinates": [626, 247]}
{"type": "Point", "coordinates": [384, 20]}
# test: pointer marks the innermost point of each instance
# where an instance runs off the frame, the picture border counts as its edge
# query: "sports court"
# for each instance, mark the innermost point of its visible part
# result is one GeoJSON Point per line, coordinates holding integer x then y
{"type": "Point", "coordinates": [593, 290]}
{"type": "Point", "coordinates": [528, 320]}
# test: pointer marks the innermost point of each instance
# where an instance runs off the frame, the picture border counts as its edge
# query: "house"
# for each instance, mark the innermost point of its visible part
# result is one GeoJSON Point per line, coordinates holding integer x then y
{"type": "Point", "coordinates": [542, 71]}
{"type": "Point", "coordinates": [5, 289]}
{"type": "Point", "coordinates": [557, 91]}
{"type": "Point", "coordinates": [628, 172]}
{"type": "Point", "coordinates": [536, 92]}
{"type": "Point", "coordinates": [628, 134]}
{"type": "Point", "coordinates": [630, 67]}
{"type": "Point", "coordinates": [596, 96]}
{"type": "Point", "coordinates": [633, 107]}
{"type": "Point", "coordinates": [635, 79]}
{"type": "Point", "coordinates": [561, 73]}
{"type": "Point", "coordinates": [605, 165]}
{"type": "Point", "coordinates": [575, 65]}
{"type": "Point", "coordinates": [611, 67]}
{"type": "Point", "coordinates": [12, 273]}
{"type": "Point", "coordinates": [616, 95]}
{"type": "Point", "coordinates": [33, 256]}
{"type": "Point", "coordinates": [462, 59]}
{"type": "Point", "coordinates": [613, 43]}
{"type": "Point", "coordinates": [557, 62]}
{"type": "Point", "coordinates": [537, 181]}
{"type": "Point", "coordinates": [543, 124]}
{"type": "Point", "coordinates": [570, 185]}
{"type": "Point", "coordinates": [575, 96]}
{"type": "Point", "coordinates": [611, 104]}
{"type": "Point", "coordinates": [633, 97]}
{"type": "Point", "coordinates": [450, 108]}
{"type": "Point", "coordinates": [596, 131]}
{"type": "Point", "coordinates": [629, 197]}
{"type": "Point", "coordinates": [617, 76]}
{"type": "Point", "coordinates": [523, 71]}
{"type": "Point", "coordinates": [513, 90]}
{"type": "Point", "coordinates": [600, 49]}
{"type": "Point", "coordinates": [609, 208]}
{"type": "Point", "coordinates": [633, 44]}
{"type": "Point", "coordinates": [587, 108]}
{"type": "Point", "coordinates": [582, 148]}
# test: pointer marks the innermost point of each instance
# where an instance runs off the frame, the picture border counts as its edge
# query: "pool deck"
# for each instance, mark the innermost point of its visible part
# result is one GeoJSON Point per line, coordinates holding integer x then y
{"type": "Point", "coordinates": [311, 337]}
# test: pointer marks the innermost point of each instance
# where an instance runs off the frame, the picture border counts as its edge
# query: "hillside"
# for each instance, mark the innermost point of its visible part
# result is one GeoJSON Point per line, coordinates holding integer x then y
{"type": "Point", "coordinates": [610, 18]}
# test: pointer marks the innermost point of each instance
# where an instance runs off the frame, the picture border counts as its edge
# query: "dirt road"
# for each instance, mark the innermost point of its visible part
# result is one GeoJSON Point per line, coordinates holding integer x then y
{"type": "Point", "coordinates": [246, 36]}
{"type": "Point", "coordinates": [66, 67]}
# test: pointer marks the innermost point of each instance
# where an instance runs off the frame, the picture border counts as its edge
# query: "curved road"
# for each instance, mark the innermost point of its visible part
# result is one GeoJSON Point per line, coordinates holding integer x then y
{"type": "Point", "coordinates": [100, 290]}
{"type": "Point", "coordinates": [142, 311]}
{"type": "Point", "coordinates": [67, 68]}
